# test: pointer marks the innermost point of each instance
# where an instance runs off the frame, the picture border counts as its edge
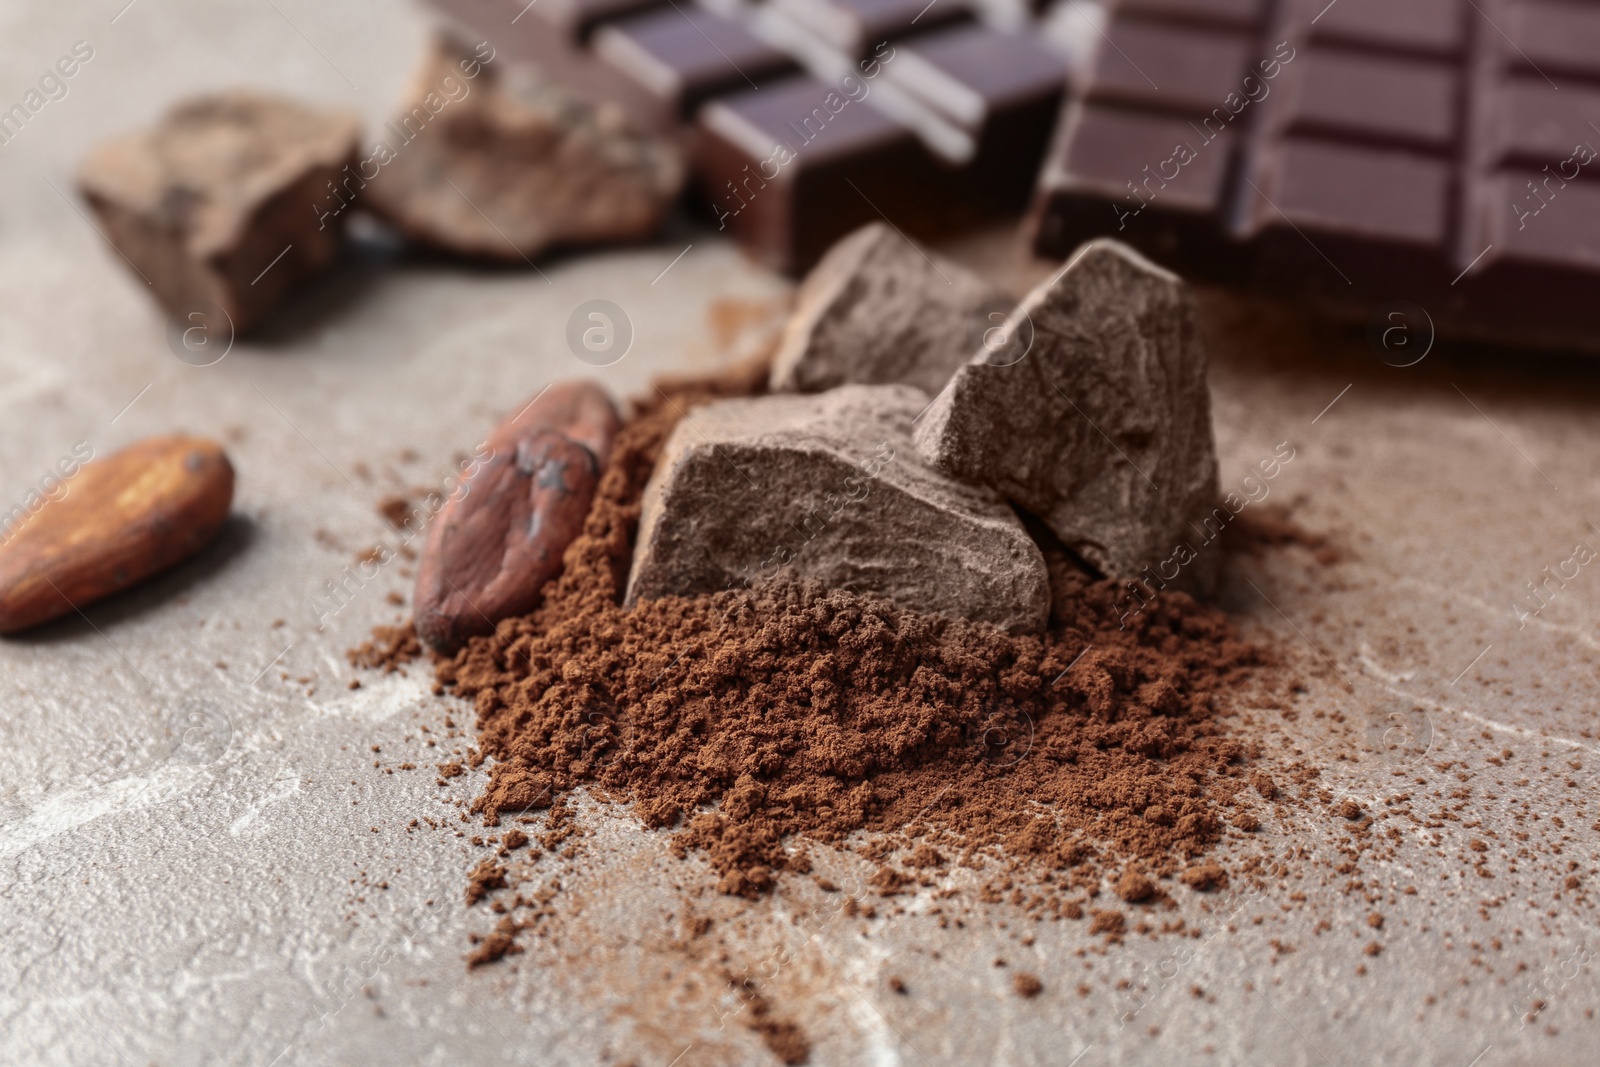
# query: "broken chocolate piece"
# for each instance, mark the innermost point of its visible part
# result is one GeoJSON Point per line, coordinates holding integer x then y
{"type": "Point", "coordinates": [830, 487]}
{"type": "Point", "coordinates": [879, 310]}
{"type": "Point", "coordinates": [513, 166]}
{"type": "Point", "coordinates": [1103, 427]}
{"type": "Point", "coordinates": [497, 542]}
{"type": "Point", "coordinates": [218, 201]}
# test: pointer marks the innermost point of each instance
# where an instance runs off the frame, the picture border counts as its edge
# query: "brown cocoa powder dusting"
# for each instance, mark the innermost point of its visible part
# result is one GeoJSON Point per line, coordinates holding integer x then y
{"type": "Point", "coordinates": [486, 877]}
{"type": "Point", "coordinates": [390, 648]}
{"type": "Point", "coordinates": [751, 720]}
{"type": "Point", "coordinates": [1273, 526]}
{"type": "Point", "coordinates": [496, 945]}
{"type": "Point", "coordinates": [783, 1037]}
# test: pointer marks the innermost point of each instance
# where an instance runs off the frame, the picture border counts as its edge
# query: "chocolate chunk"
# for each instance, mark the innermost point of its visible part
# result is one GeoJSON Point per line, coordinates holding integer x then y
{"type": "Point", "coordinates": [495, 544]}
{"type": "Point", "coordinates": [117, 521]}
{"type": "Point", "coordinates": [830, 487]}
{"type": "Point", "coordinates": [218, 201]}
{"type": "Point", "coordinates": [510, 166]}
{"type": "Point", "coordinates": [1103, 428]}
{"type": "Point", "coordinates": [879, 310]}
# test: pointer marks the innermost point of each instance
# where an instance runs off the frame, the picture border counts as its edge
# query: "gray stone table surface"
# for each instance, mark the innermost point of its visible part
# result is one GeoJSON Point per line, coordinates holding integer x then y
{"type": "Point", "coordinates": [200, 863]}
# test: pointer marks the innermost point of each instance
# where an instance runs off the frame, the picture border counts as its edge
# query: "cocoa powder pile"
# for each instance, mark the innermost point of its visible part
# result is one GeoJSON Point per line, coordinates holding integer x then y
{"type": "Point", "coordinates": [757, 721]}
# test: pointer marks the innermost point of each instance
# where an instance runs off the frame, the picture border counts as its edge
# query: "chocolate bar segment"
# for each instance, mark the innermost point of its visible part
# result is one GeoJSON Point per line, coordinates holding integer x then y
{"type": "Point", "coordinates": [974, 75]}
{"type": "Point", "coordinates": [1537, 126]}
{"type": "Point", "coordinates": [1556, 39]}
{"type": "Point", "coordinates": [1170, 68]}
{"type": "Point", "coordinates": [577, 19]}
{"type": "Point", "coordinates": [1357, 153]}
{"type": "Point", "coordinates": [682, 56]}
{"type": "Point", "coordinates": [1237, 14]}
{"type": "Point", "coordinates": [1423, 26]}
{"type": "Point", "coordinates": [791, 168]}
{"type": "Point", "coordinates": [1002, 89]}
{"type": "Point", "coordinates": [854, 27]}
{"type": "Point", "coordinates": [1382, 99]}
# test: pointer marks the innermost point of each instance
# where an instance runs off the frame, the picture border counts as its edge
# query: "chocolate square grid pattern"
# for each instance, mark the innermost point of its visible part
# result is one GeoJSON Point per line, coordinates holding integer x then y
{"type": "Point", "coordinates": [1363, 152]}
{"type": "Point", "coordinates": [806, 118]}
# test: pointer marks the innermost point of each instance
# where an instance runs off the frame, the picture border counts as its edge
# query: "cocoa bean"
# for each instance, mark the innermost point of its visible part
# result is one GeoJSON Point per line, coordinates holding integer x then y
{"type": "Point", "coordinates": [495, 544]}
{"type": "Point", "coordinates": [120, 520]}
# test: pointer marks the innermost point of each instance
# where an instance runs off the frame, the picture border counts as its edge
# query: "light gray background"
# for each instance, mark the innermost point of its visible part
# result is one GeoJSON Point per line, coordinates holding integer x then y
{"type": "Point", "coordinates": [177, 890]}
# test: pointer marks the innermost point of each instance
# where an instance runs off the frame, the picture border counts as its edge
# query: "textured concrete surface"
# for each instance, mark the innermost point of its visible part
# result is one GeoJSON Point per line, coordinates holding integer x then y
{"type": "Point", "coordinates": [191, 845]}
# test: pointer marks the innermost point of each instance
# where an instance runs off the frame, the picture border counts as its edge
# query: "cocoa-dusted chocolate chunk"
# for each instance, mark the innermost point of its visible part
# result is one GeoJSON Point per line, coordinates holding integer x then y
{"type": "Point", "coordinates": [216, 202]}
{"type": "Point", "coordinates": [879, 310]}
{"type": "Point", "coordinates": [830, 487]}
{"type": "Point", "coordinates": [495, 544]}
{"type": "Point", "coordinates": [503, 165]}
{"type": "Point", "coordinates": [117, 521]}
{"type": "Point", "coordinates": [1103, 427]}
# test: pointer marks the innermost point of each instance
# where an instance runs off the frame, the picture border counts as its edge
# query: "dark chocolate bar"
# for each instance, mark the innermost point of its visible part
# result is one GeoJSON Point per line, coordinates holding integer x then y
{"type": "Point", "coordinates": [1358, 153]}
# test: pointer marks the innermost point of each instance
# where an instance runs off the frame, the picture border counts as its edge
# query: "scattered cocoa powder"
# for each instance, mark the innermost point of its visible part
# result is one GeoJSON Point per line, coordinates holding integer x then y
{"type": "Point", "coordinates": [1107, 922]}
{"type": "Point", "coordinates": [1205, 876]}
{"type": "Point", "coordinates": [1135, 888]}
{"type": "Point", "coordinates": [1272, 526]}
{"type": "Point", "coordinates": [396, 509]}
{"type": "Point", "coordinates": [1027, 985]}
{"type": "Point", "coordinates": [747, 719]}
{"type": "Point", "coordinates": [485, 877]}
{"type": "Point", "coordinates": [496, 945]}
{"type": "Point", "coordinates": [783, 1038]}
{"type": "Point", "coordinates": [390, 648]}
